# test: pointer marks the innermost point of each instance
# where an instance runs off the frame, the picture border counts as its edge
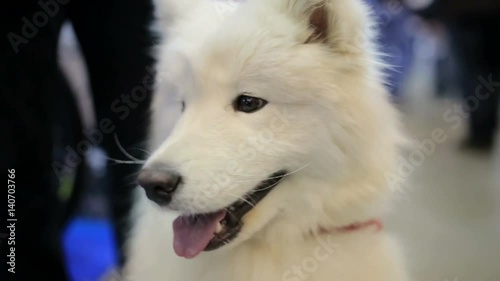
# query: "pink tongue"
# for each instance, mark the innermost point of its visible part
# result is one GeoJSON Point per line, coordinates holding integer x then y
{"type": "Point", "coordinates": [193, 234]}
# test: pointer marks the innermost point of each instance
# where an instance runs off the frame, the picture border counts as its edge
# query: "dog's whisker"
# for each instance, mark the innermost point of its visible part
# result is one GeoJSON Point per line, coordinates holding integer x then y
{"type": "Point", "coordinates": [287, 174]}
{"type": "Point", "coordinates": [130, 162]}
{"type": "Point", "coordinates": [239, 198]}
{"type": "Point", "coordinates": [120, 147]}
{"type": "Point", "coordinates": [269, 187]}
{"type": "Point", "coordinates": [281, 178]}
{"type": "Point", "coordinates": [228, 211]}
{"type": "Point", "coordinates": [143, 150]}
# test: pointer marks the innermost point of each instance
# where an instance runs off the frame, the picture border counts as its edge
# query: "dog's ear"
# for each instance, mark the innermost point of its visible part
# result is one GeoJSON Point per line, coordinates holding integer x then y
{"type": "Point", "coordinates": [319, 23]}
{"type": "Point", "coordinates": [343, 25]}
{"type": "Point", "coordinates": [314, 16]}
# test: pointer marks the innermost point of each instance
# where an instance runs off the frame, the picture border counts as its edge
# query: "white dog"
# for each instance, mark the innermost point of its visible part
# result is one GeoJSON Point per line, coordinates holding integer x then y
{"type": "Point", "coordinates": [275, 169]}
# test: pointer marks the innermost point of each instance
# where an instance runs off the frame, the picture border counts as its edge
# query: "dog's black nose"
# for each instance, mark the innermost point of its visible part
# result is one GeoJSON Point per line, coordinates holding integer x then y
{"type": "Point", "coordinates": [159, 184]}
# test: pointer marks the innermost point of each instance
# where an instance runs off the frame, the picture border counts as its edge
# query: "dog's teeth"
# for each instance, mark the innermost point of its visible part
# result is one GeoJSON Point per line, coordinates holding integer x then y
{"type": "Point", "coordinates": [218, 229]}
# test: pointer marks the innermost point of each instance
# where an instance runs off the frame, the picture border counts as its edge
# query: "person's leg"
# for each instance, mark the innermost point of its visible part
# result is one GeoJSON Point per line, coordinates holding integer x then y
{"type": "Point", "coordinates": [29, 77]}
{"type": "Point", "coordinates": [116, 43]}
{"type": "Point", "coordinates": [473, 43]}
{"type": "Point", "coordinates": [484, 120]}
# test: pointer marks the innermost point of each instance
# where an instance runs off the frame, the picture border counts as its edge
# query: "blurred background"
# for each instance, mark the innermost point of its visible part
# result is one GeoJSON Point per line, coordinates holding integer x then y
{"type": "Point", "coordinates": [76, 81]}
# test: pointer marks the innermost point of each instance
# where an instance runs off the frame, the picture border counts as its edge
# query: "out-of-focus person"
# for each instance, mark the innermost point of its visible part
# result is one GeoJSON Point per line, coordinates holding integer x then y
{"type": "Point", "coordinates": [474, 28]}
{"type": "Point", "coordinates": [40, 123]}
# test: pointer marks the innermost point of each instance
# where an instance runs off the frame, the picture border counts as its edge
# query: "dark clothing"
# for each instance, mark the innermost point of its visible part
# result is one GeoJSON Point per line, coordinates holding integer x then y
{"type": "Point", "coordinates": [477, 44]}
{"type": "Point", "coordinates": [475, 39]}
{"type": "Point", "coordinates": [35, 99]}
{"type": "Point", "coordinates": [455, 10]}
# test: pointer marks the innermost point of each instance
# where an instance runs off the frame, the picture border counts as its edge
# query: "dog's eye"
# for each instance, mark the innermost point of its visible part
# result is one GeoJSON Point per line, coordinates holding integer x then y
{"type": "Point", "coordinates": [248, 104]}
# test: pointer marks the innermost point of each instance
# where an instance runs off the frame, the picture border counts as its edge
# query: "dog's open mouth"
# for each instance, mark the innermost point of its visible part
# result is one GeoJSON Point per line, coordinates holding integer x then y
{"type": "Point", "coordinates": [206, 232]}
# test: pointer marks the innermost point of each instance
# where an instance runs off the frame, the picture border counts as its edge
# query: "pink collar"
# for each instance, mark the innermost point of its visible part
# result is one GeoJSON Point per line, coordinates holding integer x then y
{"type": "Point", "coordinates": [375, 223]}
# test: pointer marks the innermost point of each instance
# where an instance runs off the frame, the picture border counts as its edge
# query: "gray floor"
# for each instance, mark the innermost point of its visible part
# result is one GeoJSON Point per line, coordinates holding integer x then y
{"type": "Point", "coordinates": [448, 215]}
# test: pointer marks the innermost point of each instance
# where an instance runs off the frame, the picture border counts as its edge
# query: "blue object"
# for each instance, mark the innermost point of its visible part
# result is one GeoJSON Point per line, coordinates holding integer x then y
{"type": "Point", "coordinates": [89, 248]}
{"type": "Point", "coordinates": [395, 39]}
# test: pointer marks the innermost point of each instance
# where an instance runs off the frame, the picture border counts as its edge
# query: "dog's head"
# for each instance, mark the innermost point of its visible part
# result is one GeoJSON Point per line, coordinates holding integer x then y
{"type": "Point", "coordinates": [282, 119]}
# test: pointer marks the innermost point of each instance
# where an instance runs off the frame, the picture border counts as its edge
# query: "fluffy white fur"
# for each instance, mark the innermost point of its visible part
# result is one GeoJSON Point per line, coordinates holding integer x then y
{"type": "Point", "coordinates": [328, 121]}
